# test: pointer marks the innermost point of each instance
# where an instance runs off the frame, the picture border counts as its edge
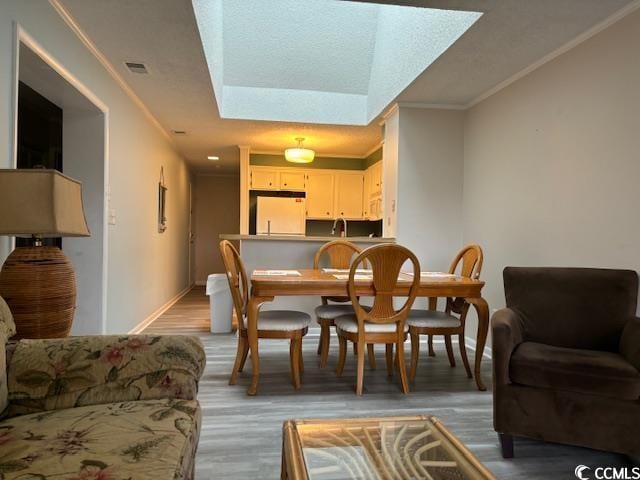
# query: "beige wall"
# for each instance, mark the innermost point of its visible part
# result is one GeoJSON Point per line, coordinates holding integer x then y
{"type": "Point", "coordinates": [216, 211]}
{"type": "Point", "coordinates": [552, 162]}
{"type": "Point", "coordinates": [145, 269]}
{"type": "Point", "coordinates": [430, 165]}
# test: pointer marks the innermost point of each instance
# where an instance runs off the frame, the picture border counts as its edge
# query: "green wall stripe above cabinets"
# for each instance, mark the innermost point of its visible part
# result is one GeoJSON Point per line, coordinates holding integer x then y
{"type": "Point", "coordinates": [332, 163]}
{"type": "Point", "coordinates": [373, 158]}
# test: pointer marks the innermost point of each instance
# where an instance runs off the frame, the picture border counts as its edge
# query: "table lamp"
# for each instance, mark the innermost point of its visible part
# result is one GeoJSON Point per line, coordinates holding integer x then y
{"type": "Point", "coordinates": [38, 282]}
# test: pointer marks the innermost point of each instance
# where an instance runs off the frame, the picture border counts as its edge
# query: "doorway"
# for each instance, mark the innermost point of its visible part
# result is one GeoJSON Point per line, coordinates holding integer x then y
{"type": "Point", "coordinates": [79, 148]}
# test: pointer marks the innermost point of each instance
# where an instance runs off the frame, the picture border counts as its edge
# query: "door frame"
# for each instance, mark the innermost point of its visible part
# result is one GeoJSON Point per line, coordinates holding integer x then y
{"type": "Point", "coordinates": [21, 36]}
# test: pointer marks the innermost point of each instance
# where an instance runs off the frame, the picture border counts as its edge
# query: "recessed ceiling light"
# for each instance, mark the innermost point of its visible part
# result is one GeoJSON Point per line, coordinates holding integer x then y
{"type": "Point", "coordinates": [213, 157]}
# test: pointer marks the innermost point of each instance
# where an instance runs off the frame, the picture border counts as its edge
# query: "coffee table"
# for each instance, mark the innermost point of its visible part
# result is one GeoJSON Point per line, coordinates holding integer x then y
{"type": "Point", "coordinates": [384, 448]}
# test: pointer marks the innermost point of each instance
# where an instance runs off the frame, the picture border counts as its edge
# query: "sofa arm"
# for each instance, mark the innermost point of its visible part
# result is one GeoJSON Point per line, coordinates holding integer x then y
{"type": "Point", "coordinates": [507, 333]}
{"type": "Point", "coordinates": [77, 371]}
{"type": "Point", "coordinates": [630, 342]}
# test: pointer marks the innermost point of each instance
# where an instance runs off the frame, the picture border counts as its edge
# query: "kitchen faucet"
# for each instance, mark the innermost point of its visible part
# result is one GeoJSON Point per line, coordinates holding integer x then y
{"type": "Point", "coordinates": [344, 223]}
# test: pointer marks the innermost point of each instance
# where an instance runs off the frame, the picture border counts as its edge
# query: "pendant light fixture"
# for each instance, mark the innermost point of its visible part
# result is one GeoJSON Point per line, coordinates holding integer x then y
{"type": "Point", "coordinates": [299, 154]}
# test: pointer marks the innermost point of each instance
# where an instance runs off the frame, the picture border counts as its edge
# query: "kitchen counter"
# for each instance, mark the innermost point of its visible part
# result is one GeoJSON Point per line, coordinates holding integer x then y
{"type": "Point", "coordinates": [296, 238]}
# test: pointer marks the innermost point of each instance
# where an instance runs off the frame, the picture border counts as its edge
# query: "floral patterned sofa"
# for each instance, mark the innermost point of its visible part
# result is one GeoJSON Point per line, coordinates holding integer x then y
{"type": "Point", "coordinates": [98, 408]}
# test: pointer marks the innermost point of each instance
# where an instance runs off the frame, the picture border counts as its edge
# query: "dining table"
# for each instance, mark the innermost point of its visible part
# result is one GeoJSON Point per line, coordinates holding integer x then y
{"type": "Point", "coordinates": [268, 284]}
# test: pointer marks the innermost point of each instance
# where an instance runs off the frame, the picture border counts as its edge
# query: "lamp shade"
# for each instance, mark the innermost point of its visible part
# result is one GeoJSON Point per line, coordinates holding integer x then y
{"type": "Point", "coordinates": [41, 202]}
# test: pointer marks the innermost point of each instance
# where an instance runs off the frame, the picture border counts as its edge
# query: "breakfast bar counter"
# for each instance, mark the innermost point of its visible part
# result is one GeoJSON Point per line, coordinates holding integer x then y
{"type": "Point", "coordinates": [302, 238]}
{"type": "Point", "coordinates": [264, 252]}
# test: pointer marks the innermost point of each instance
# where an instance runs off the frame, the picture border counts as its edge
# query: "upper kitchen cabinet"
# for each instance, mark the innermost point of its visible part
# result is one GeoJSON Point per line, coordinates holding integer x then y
{"type": "Point", "coordinates": [375, 185]}
{"type": "Point", "coordinates": [349, 192]}
{"type": "Point", "coordinates": [292, 180]}
{"type": "Point", "coordinates": [264, 178]}
{"type": "Point", "coordinates": [320, 187]}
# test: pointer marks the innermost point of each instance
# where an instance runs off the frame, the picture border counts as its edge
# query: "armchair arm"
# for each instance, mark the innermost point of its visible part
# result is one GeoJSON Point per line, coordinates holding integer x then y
{"type": "Point", "coordinates": [630, 342]}
{"type": "Point", "coordinates": [507, 334]}
{"type": "Point", "coordinates": [77, 371]}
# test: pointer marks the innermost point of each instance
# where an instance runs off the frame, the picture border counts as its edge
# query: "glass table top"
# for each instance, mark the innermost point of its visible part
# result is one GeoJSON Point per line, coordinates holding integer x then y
{"type": "Point", "coordinates": [416, 448]}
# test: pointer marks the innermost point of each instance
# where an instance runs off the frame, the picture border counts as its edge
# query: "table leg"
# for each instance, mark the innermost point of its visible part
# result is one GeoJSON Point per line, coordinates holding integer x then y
{"type": "Point", "coordinates": [253, 310]}
{"type": "Point", "coordinates": [482, 308]}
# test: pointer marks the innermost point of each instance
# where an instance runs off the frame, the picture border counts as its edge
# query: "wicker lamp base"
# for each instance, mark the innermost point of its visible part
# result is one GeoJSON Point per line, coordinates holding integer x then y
{"type": "Point", "coordinates": [39, 285]}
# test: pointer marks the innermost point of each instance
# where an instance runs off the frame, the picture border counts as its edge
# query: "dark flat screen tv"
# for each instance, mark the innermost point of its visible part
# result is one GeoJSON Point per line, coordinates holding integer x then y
{"type": "Point", "coordinates": [39, 138]}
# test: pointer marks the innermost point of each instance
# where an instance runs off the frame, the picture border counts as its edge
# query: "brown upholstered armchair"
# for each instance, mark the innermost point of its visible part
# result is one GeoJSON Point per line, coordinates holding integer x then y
{"type": "Point", "coordinates": [566, 358]}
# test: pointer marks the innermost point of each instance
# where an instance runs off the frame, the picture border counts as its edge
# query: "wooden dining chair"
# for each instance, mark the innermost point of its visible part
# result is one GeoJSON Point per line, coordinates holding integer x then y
{"type": "Point", "coordinates": [340, 253]}
{"type": "Point", "coordinates": [452, 320]}
{"type": "Point", "coordinates": [382, 322]}
{"type": "Point", "coordinates": [278, 324]}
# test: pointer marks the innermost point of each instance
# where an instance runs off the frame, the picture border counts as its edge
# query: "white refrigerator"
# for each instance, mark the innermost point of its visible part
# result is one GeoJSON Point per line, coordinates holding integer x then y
{"type": "Point", "coordinates": [280, 216]}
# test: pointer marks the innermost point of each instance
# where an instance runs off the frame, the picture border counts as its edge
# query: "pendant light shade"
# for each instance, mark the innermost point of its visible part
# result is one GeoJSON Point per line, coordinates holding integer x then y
{"type": "Point", "coordinates": [299, 154]}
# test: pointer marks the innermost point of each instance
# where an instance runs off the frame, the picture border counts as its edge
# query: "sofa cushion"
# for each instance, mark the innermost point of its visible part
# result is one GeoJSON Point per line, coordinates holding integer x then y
{"type": "Point", "coordinates": [7, 330]}
{"type": "Point", "coordinates": [153, 439]}
{"type": "Point", "coordinates": [52, 374]}
{"type": "Point", "coordinates": [585, 371]}
{"type": "Point", "coordinates": [7, 325]}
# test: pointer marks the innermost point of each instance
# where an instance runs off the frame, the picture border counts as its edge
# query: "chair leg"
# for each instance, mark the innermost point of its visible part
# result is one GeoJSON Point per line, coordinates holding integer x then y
{"type": "Point", "coordinates": [389, 354]}
{"type": "Point", "coordinates": [294, 355]}
{"type": "Point", "coordinates": [447, 342]}
{"type": "Point", "coordinates": [243, 347]}
{"type": "Point", "coordinates": [321, 338]}
{"type": "Point", "coordinates": [432, 352]}
{"type": "Point", "coordinates": [342, 355]}
{"type": "Point", "coordinates": [463, 354]}
{"type": "Point", "coordinates": [360, 367]}
{"type": "Point", "coordinates": [244, 355]}
{"type": "Point", "coordinates": [301, 360]}
{"type": "Point", "coordinates": [415, 355]}
{"type": "Point", "coordinates": [506, 445]}
{"type": "Point", "coordinates": [371, 354]}
{"type": "Point", "coordinates": [402, 368]}
{"type": "Point", "coordinates": [355, 348]}
{"type": "Point", "coordinates": [325, 339]}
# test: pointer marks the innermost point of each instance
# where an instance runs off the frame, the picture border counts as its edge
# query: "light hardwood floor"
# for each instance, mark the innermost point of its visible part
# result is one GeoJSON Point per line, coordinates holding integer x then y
{"type": "Point", "coordinates": [241, 436]}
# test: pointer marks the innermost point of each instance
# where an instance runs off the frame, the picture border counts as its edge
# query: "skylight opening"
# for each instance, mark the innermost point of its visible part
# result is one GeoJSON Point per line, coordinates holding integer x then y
{"type": "Point", "coordinates": [319, 61]}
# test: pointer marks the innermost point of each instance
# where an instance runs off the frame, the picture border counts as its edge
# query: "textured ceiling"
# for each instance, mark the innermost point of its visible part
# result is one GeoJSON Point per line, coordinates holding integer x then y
{"type": "Point", "coordinates": [319, 61]}
{"type": "Point", "coordinates": [510, 36]}
{"type": "Point", "coordinates": [311, 45]}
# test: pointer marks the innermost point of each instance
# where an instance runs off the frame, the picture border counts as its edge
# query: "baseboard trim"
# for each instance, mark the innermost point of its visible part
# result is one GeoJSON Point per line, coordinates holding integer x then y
{"type": "Point", "coordinates": [471, 345]}
{"type": "Point", "coordinates": [147, 321]}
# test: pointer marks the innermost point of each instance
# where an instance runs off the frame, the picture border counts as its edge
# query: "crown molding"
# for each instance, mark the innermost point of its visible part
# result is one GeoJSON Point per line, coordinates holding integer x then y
{"type": "Point", "coordinates": [431, 106]}
{"type": "Point", "coordinates": [583, 37]}
{"type": "Point", "coordinates": [73, 25]}
{"type": "Point", "coordinates": [376, 147]}
{"type": "Point", "coordinates": [383, 118]}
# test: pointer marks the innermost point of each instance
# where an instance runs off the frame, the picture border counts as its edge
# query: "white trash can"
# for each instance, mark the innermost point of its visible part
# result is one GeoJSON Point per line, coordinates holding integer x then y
{"type": "Point", "coordinates": [220, 303]}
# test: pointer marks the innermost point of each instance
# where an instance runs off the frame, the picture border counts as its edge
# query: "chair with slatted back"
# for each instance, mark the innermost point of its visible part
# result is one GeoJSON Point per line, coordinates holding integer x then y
{"type": "Point", "coordinates": [274, 324]}
{"type": "Point", "coordinates": [452, 320]}
{"type": "Point", "coordinates": [339, 253]}
{"type": "Point", "coordinates": [381, 323]}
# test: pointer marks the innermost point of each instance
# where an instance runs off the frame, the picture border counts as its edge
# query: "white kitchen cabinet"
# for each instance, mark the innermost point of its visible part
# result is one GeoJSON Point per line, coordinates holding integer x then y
{"type": "Point", "coordinates": [375, 187]}
{"type": "Point", "coordinates": [349, 192]}
{"type": "Point", "coordinates": [320, 193]}
{"type": "Point", "coordinates": [264, 178]}
{"type": "Point", "coordinates": [366, 209]}
{"type": "Point", "coordinates": [292, 180]}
